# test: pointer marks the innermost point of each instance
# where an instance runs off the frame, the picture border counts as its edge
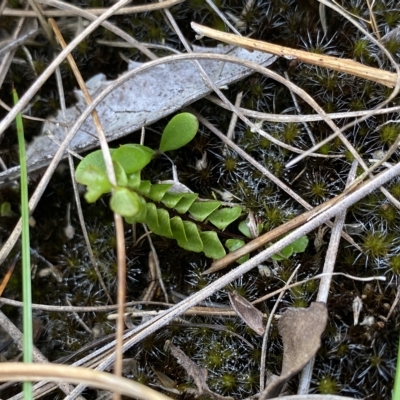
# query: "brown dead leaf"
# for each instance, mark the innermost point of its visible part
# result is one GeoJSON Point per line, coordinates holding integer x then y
{"type": "Point", "coordinates": [247, 312]}
{"type": "Point", "coordinates": [301, 330]}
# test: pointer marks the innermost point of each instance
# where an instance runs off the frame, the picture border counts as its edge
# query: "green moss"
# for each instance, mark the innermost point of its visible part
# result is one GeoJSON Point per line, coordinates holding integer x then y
{"type": "Point", "coordinates": [361, 48]}
{"type": "Point", "coordinates": [389, 133]}
{"type": "Point", "coordinates": [393, 45]}
{"type": "Point", "coordinates": [376, 244]}
{"type": "Point", "coordinates": [391, 18]}
{"type": "Point", "coordinates": [328, 385]}
{"type": "Point", "coordinates": [251, 382]}
{"type": "Point", "coordinates": [290, 132]}
{"type": "Point", "coordinates": [325, 149]}
{"type": "Point", "coordinates": [229, 382]}
{"type": "Point", "coordinates": [394, 264]}
{"type": "Point", "coordinates": [389, 213]}
{"type": "Point", "coordinates": [230, 164]}
{"type": "Point", "coordinates": [299, 303]}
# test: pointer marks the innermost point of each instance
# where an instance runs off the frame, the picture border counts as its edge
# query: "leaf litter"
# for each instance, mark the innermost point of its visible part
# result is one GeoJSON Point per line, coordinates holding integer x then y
{"type": "Point", "coordinates": [301, 330]}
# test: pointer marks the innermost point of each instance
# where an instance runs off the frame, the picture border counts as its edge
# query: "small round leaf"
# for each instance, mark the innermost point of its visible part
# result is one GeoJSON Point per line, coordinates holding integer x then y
{"type": "Point", "coordinates": [94, 159]}
{"type": "Point", "coordinates": [179, 131]}
{"type": "Point", "coordinates": [125, 203]}
{"type": "Point", "coordinates": [223, 217]}
{"type": "Point", "coordinates": [96, 181]}
{"type": "Point", "coordinates": [299, 245]}
{"type": "Point", "coordinates": [133, 157]}
{"type": "Point", "coordinates": [120, 175]}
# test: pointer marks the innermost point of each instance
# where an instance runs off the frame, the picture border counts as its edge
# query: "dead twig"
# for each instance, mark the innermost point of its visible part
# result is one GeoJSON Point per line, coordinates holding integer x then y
{"type": "Point", "coordinates": [338, 64]}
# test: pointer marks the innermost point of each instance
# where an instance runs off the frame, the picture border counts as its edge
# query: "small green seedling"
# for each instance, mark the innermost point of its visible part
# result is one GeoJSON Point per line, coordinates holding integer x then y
{"type": "Point", "coordinates": [139, 201]}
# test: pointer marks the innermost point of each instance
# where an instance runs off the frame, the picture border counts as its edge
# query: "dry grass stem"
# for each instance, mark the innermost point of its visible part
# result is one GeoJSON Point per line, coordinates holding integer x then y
{"type": "Point", "coordinates": [38, 357]}
{"type": "Point", "coordinates": [305, 117]}
{"type": "Point", "coordinates": [154, 266]}
{"type": "Point", "coordinates": [338, 64]}
{"type": "Point", "coordinates": [63, 373]}
{"type": "Point", "coordinates": [10, 12]}
{"type": "Point", "coordinates": [108, 25]}
{"type": "Point", "coordinates": [46, 307]}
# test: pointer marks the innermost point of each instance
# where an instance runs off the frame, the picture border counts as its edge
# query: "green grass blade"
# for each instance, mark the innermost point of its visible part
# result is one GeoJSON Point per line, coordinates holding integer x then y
{"type": "Point", "coordinates": [396, 387]}
{"type": "Point", "coordinates": [26, 256]}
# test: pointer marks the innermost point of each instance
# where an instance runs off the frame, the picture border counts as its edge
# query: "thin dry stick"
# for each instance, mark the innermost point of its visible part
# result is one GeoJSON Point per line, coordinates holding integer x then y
{"type": "Point", "coordinates": [391, 198]}
{"type": "Point", "coordinates": [232, 124]}
{"type": "Point", "coordinates": [338, 64]}
{"type": "Point", "coordinates": [92, 258]}
{"type": "Point", "coordinates": [153, 284]}
{"type": "Point", "coordinates": [156, 264]}
{"type": "Point", "coordinates": [7, 60]}
{"type": "Point", "coordinates": [264, 347]}
{"type": "Point", "coordinates": [319, 276]}
{"type": "Point", "coordinates": [79, 319]}
{"type": "Point", "coordinates": [8, 274]}
{"type": "Point", "coordinates": [38, 357]}
{"type": "Point", "coordinates": [222, 16]}
{"type": "Point", "coordinates": [66, 373]}
{"type": "Point", "coordinates": [119, 227]}
{"type": "Point", "coordinates": [12, 12]}
{"type": "Point", "coordinates": [2, 7]}
{"type": "Point", "coordinates": [305, 117]}
{"type": "Point", "coordinates": [12, 44]}
{"type": "Point", "coordinates": [205, 311]}
{"type": "Point", "coordinates": [395, 302]}
{"type": "Point", "coordinates": [108, 25]}
{"type": "Point", "coordinates": [43, 22]}
{"type": "Point", "coordinates": [83, 309]}
{"type": "Point", "coordinates": [156, 323]}
{"type": "Point", "coordinates": [60, 88]}
{"type": "Point", "coordinates": [325, 283]}
{"type": "Point", "coordinates": [333, 247]}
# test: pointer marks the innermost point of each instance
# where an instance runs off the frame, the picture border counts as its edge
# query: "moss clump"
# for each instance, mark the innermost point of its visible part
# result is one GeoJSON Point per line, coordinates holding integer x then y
{"type": "Point", "coordinates": [328, 385]}
{"type": "Point", "coordinates": [377, 244]}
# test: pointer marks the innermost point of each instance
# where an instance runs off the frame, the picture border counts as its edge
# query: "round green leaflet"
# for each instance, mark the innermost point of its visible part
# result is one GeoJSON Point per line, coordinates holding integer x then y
{"type": "Point", "coordinates": [125, 202]}
{"type": "Point", "coordinates": [179, 131]}
{"type": "Point", "coordinates": [133, 157]}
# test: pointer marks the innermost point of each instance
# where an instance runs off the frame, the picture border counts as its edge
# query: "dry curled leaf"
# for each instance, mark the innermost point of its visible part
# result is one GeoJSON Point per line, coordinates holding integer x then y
{"type": "Point", "coordinates": [301, 330]}
{"type": "Point", "coordinates": [247, 312]}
